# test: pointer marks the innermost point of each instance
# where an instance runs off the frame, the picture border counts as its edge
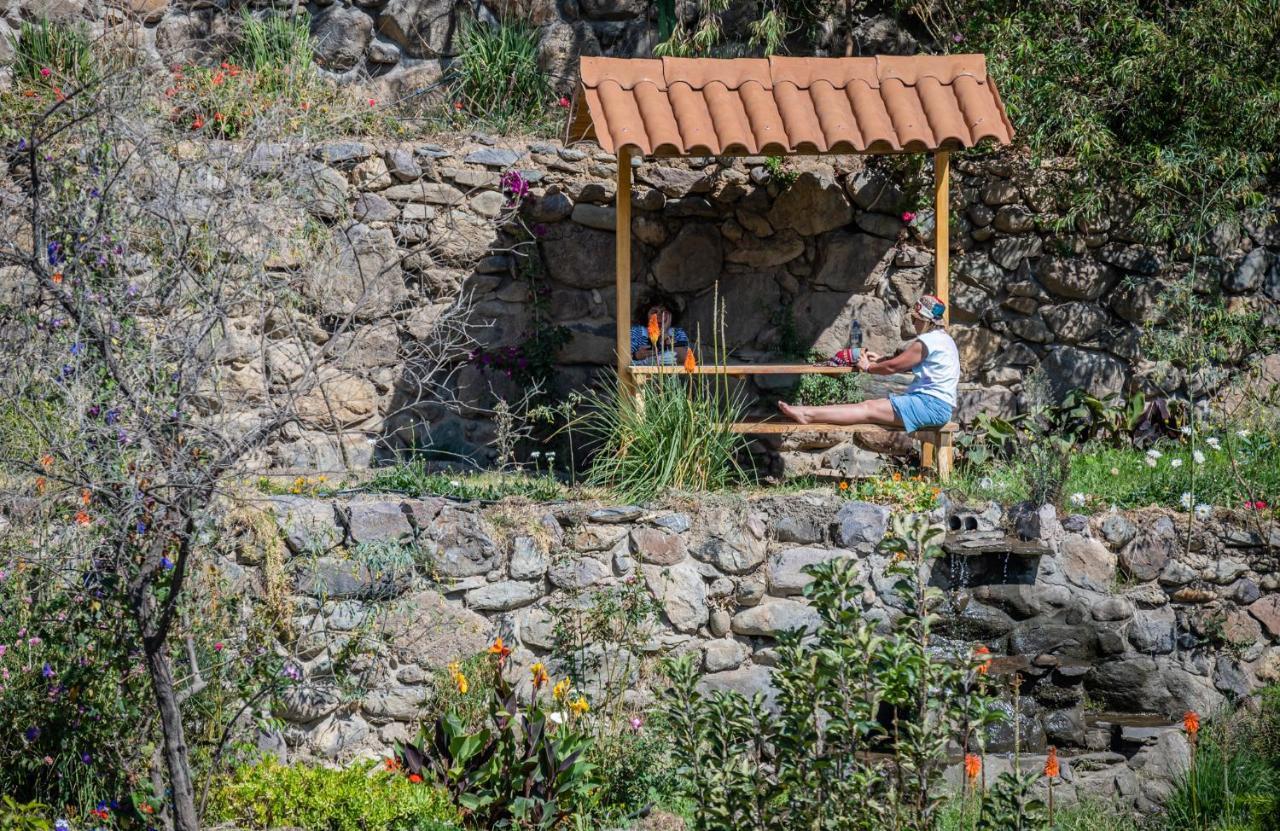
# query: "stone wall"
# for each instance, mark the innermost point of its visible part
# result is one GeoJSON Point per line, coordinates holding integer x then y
{"type": "Point", "coordinates": [1116, 627]}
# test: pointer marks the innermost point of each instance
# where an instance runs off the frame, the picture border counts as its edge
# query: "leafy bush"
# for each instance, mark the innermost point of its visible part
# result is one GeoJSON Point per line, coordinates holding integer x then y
{"type": "Point", "coordinates": [415, 479]}
{"type": "Point", "coordinates": [841, 694]}
{"type": "Point", "coordinates": [635, 770]}
{"type": "Point", "coordinates": [912, 494]}
{"type": "Point", "coordinates": [359, 798]}
{"type": "Point", "coordinates": [817, 390]}
{"type": "Point", "coordinates": [675, 434]}
{"type": "Point", "coordinates": [275, 44]}
{"type": "Point", "coordinates": [497, 79]}
{"type": "Point", "coordinates": [52, 52]}
{"type": "Point", "coordinates": [17, 816]}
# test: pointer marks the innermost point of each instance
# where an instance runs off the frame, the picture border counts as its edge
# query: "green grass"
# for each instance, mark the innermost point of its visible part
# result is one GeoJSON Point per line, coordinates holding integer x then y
{"type": "Point", "coordinates": [1125, 477]}
{"type": "Point", "coordinates": [497, 81]}
{"type": "Point", "coordinates": [962, 815]}
{"type": "Point", "coordinates": [59, 49]}
{"type": "Point", "coordinates": [415, 480]}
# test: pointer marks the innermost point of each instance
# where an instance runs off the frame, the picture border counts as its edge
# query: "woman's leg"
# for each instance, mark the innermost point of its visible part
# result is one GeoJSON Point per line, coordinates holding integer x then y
{"type": "Point", "coordinates": [875, 411]}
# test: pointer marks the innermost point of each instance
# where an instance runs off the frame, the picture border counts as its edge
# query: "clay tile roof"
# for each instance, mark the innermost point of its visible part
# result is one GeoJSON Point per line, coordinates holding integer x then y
{"type": "Point", "coordinates": [748, 106]}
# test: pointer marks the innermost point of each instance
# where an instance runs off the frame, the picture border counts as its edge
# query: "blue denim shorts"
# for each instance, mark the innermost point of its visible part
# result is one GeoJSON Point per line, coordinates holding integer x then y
{"type": "Point", "coordinates": [918, 410]}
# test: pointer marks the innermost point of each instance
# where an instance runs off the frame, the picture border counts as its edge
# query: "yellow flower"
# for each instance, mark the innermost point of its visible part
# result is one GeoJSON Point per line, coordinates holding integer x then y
{"type": "Point", "coordinates": [579, 706]}
{"type": "Point", "coordinates": [540, 676]}
{"type": "Point", "coordinates": [459, 680]}
{"type": "Point", "coordinates": [561, 690]}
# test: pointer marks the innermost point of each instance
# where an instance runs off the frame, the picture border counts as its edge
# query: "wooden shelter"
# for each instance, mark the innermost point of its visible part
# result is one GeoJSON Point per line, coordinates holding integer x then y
{"type": "Point", "coordinates": [673, 107]}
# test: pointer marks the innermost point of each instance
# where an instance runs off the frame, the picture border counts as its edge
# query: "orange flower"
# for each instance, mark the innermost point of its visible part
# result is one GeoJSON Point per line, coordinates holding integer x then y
{"type": "Point", "coordinates": [844, 486]}
{"type": "Point", "coordinates": [897, 477]}
{"type": "Point", "coordinates": [500, 649]}
{"type": "Point", "coordinates": [218, 78]}
{"type": "Point", "coordinates": [56, 278]}
{"type": "Point", "coordinates": [85, 496]}
{"type": "Point", "coordinates": [197, 123]}
{"type": "Point", "coordinates": [1051, 769]}
{"type": "Point", "coordinates": [58, 94]}
{"type": "Point", "coordinates": [40, 484]}
{"type": "Point", "coordinates": [219, 117]}
{"type": "Point", "coordinates": [46, 461]}
{"type": "Point", "coordinates": [415, 778]}
{"type": "Point", "coordinates": [981, 653]}
{"type": "Point", "coordinates": [82, 518]}
{"type": "Point", "coordinates": [392, 764]}
{"type": "Point", "coordinates": [690, 362]}
{"type": "Point", "coordinates": [540, 675]}
{"type": "Point", "coordinates": [972, 766]}
{"type": "Point", "coordinates": [306, 105]}
{"type": "Point", "coordinates": [655, 331]}
{"type": "Point", "coordinates": [1191, 723]}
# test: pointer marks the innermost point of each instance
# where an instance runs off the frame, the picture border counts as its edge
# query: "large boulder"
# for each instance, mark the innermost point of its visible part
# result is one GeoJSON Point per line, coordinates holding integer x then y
{"type": "Point", "coordinates": [849, 261]}
{"type": "Point", "coordinates": [1074, 322]}
{"type": "Point", "coordinates": [774, 617]}
{"type": "Point", "coordinates": [340, 34]}
{"type": "Point", "coordinates": [787, 569]}
{"type": "Point", "coordinates": [681, 592]}
{"type": "Point", "coordinates": [583, 257]}
{"type": "Point", "coordinates": [1077, 279]}
{"type": "Point", "coordinates": [1068, 368]}
{"type": "Point", "coordinates": [364, 280]}
{"type": "Point", "coordinates": [425, 629]}
{"type": "Point", "coordinates": [692, 261]}
{"type": "Point", "coordinates": [814, 203]}
{"type": "Point", "coordinates": [750, 303]}
{"type": "Point", "coordinates": [421, 28]}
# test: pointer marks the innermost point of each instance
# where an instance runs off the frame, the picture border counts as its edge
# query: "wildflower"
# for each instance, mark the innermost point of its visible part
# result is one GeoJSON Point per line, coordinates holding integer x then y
{"type": "Point", "coordinates": [46, 461]}
{"type": "Point", "coordinates": [982, 654]}
{"type": "Point", "coordinates": [690, 362]}
{"type": "Point", "coordinates": [306, 105]}
{"type": "Point", "coordinates": [61, 825]}
{"type": "Point", "coordinates": [1115, 471]}
{"type": "Point", "coordinates": [1175, 463]}
{"type": "Point", "coordinates": [563, 102]}
{"type": "Point", "coordinates": [415, 778]}
{"type": "Point", "coordinates": [499, 649]}
{"type": "Point", "coordinates": [56, 277]}
{"type": "Point", "coordinates": [391, 764]}
{"type": "Point", "coordinates": [1244, 434]}
{"type": "Point", "coordinates": [219, 117]}
{"type": "Point", "coordinates": [514, 184]}
{"type": "Point", "coordinates": [85, 496]}
{"type": "Point", "coordinates": [654, 330]}
{"type": "Point", "coordinates": [1197, 456]}
{"type": "Point", "coordinates": [1078, 499]}
{"type": "Point", "coordinates": [457, 105]}
{"type": "Point", "coordinates": [45, 72]}
{"type": "Point", "coordinates": [1154, 454]}
{"type": "Point", "coordinates": [540, 676]}
{"type": "Point", "coordinates": [82, 518]}
{"type": "Point", "coordinates": [972, 766]}
{"type": "Point", "coordinates": [579, 706]}
{"type": "Point", "coordinates": [197, 122]}
{"type": "Point", "coordinates": [1150, 461]}
{"type": "Point", "coordinates": [1186, 500]}
{"type": "Point", "coordinates": [1191, 723]}
{"type": "Point", "coordinates": [986, 483]}
{"type": "Point", "coordinates": [41, 483]}
{"type": "Point", "coordinates": [957, 37]}
{"type": "Point", "coordinates": [844, 486]}
{"type": "Point", "coordinates": [1204, 511]}
{"type": "Point", "coordinates": [218, 78]}
{"type": "Point", "coordinates": [59, 95]}
{"type": "Point", "coordinates": [908, 217]}
{"type": "Point", "coordinates": [561, 690]}
{"type": "Point", "coordinates": [1213, 442]}
{"type": "Point", "coordinates": [1051, 768]}
{"type": "Point", "coordinates": [217, 647]}
{"type": "Point", "coordinates": [636, 723]}
{"type": "Point", "coordinates": [166, 563]}
{"type": "Point", "coordinates": [373, 102]}
{"type": "Point", "coordinates": [897, 477]}
{"type": "Point", "coordinates": [47, 672]}
{"type": "Point", "coordinates": [31, 734]}
{"type": "Point", "coordinates": [1186, 430]}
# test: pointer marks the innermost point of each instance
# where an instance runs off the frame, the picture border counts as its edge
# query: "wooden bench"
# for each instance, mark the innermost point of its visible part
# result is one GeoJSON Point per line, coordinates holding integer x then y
{"type": "Point", "coordinates": [937, 446]}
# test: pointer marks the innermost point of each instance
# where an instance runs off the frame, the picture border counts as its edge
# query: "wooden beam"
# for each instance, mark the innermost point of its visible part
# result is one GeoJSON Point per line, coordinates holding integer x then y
{"type": "Point", "coordinates": [942, 228]}
{"type": "Point", "coordinates": [746, 369]}
{"type": "Point", "coordinates": [622, 257]}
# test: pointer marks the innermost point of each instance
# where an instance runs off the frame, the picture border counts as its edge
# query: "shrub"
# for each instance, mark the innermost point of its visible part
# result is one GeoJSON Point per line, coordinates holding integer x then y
{"type": "Point", "coordinates": [415, 479]}
{"type": "Point", "coordinates": [17, 816]}
{"type": "Point", "coordinates": [497, 79]}
{"type": "Point", "coordinates": [359, 798]}
{"type": "Point", "coordinates": [817, 390]}
{"type": "Point", "coordinates": [52, 52]}
{"type": "Point", "coordinates": [841, 694]}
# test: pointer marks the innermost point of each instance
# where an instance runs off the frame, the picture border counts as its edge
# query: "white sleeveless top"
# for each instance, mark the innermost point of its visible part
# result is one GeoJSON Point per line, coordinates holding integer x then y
{"type": "Point", "coordinates": [939, 373]}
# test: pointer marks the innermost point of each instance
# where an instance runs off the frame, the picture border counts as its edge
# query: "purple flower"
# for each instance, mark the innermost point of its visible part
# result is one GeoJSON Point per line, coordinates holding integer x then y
{"type": "Point", "coordinates": [539, 230]}
{"type": "Point", "coordinates": [77, 348]}
{"type": "Point", "coordinates": [141, 528]}
{"type": "Point", "coordinates": [113, 415]}
{"type": "Point", "coordinates": [166, 563]}
{"type": "Point", "coordinates": [514, 185]}
{"type": "Point", "coordinates": [47, 672]}
{"type": "Point", "coordinates": [636, 723]}
{"type": "Point", "coordinates": [95, 193]}
{"type": "Point", "coordinates": [54, 250]}
{"type": "Point", "coordinates": [85, 757]}
{"type": "Point", "coordinates": [958, 37]}
{"type": "Point", "coordinates": [22, 144]}
{"type": "Point", "coordinates": [32, 734]}
{"type": "Point", "coordinates": [93, 411]}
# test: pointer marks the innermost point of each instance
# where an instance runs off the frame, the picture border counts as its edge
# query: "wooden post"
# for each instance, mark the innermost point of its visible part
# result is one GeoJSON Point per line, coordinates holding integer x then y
{"type": "Point", "coordinates": [622, 238]}
{"type": "Point", "coordinates": [929, 456]}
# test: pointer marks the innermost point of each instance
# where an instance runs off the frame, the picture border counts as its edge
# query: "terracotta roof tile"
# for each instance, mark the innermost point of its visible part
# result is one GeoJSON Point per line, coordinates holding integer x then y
{"type": "Point", "coordinates": [709, 106]}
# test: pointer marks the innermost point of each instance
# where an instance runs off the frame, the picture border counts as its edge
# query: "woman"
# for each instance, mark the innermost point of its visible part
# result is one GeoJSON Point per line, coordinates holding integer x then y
{"type": "Point", "coordinates": [673, 342]}
{"type": "Point", "coordinates": [930, 399]}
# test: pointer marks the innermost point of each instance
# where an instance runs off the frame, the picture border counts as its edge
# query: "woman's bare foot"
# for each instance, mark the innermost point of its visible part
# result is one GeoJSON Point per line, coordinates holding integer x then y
{"type": "Point", "coordinates": [796, 414]}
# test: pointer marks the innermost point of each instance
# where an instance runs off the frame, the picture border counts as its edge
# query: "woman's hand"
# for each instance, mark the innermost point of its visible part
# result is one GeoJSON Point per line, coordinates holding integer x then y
{"type": "Point", "coordinates": [864, 362]}
{"type": "Point", "coordinates": [873, 356]}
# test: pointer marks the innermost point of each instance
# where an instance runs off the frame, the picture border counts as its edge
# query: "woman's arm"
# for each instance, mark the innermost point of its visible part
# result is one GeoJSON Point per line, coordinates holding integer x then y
{"type": "Point", "coordinates": [904, 361]}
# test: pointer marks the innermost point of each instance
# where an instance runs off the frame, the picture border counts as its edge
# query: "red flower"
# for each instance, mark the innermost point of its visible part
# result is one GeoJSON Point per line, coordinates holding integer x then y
{"type": "Point", "coordinates": [564, 102]}
{"type": "Point", "coordinates": [306, 105]}
{"type": "Point", "coordinates": [218, 78]}
{"type": "Point", "coordinates": [83, 518]}
{"type": "Point", "coordinates": [981, 653]}
{"type": "Point", "coordinates": [457, 105]}
{"type": "Point", "coordinates": [197, 123]}
{"type": "Point", "coordinates": [500, 649]}
{"type": "Point", "coordinates": [415, 778]}
{"type": "Point", "coordinates": [373, 102]}
{"type": "Point", "coordinates": [1051, 768]}
{"type": "Point", "coordinates": [908, 216]}
{"type": "Point", "coordinates": [972, 766]}
{"type": "Point", "coordinates": [1191, 723]}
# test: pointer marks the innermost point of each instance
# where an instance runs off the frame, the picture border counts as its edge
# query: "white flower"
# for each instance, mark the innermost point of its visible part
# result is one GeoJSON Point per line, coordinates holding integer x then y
{"type": "Point", "coordinates": [1186, 500]}
{"type": "Point", "coordinates": [1078, 499]}
{"type": "Point", "coordinates": [455, 483]}
{"type": "Point", "coordinates": [1198, 456]}
{"type": "Point", "coordinates": [1154, 454]}
{"type": "Point", "coordinates": [1212, 441]}
{"type": "Point", "coordinates": [1186, 430]}
{"type": "Point", "coordinates": [1244, 434]}
{"type": "Point", "coordinates": [556, 717]}
{"type": "Point", "coordinates": [985, 483]}
{"type": "Point", "coordinates": [1151, 461]}
{"type": "Point", "coordinates": [1175, 463]}
{"type": "Point", "coordinates": [1203, 511]}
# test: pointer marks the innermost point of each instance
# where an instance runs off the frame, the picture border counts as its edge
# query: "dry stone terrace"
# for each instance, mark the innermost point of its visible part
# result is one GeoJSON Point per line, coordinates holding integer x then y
{"type": "Point", "coordinates": [1114, 626]}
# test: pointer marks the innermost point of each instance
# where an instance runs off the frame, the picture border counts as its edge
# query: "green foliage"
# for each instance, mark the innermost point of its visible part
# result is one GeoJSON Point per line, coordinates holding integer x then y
{"type": "Point", "coordinates": [816, 390]}
{"type": "Point", "coordinates": [1009, 806]}
{"type": "Point", "coordinates": [779, 171]}
{"type": "Point", "coordinates": [1176, 100]}
{"type": "Point", "coordinates": [18, 816]}
{"type": "Point", "coordinates": [1193, 330]}
{"type": "Point", "coordinates": [497, 80]}
{"type": "Point", "coordinates": [1089, 815]}
{"type": "Point", "coordinates": [52, 52]}
{"type": "Point", "coordinates": [416, 479]}
{"type": "Point", "coordinates": [274, 43]}
{"type": "Point", "coordinates": [635, 770]}
{"type": "Point", "coordinates": [673, 435]}
{"type": "Point", "coordinates": [525, 768]}
{"type": "Point", "coordinates": [357, 798]}
{"type": "Point", "coordinates": [810, 766]}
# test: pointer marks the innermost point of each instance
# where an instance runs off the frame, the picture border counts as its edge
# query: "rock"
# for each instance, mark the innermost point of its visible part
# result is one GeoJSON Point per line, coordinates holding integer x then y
{"type": "Point", "coordinates": [719, 623]}
{"type": "Point", "coordinates": [498, 157]}
{"type": "Point", "coordinates": [307, 702]}
{"type": "Point", "coordinates": [773, 617]}
{"type": "Point", "coordinates": [528, 560]}
{"type": "Point", "coordinates": [861, 526]}
{"type": "Point", "coordinates": [879, 225]}
{"type": "Point", "coordinates": [1074, 322]}
{"type": "Point", "coordinates": [503, 596]}
{"type": "Point", "coordinates": [786, 571]}
{"type": "Point", "coordinates": [1245, 592]}
{"type": "Point", "coordinates": [339, 734]}
{"type": "Point", "coordinates": [851, 262]}
{"type": "Point", "coordinates": [457, 545]}
{"type": "Point", "coordinates": [1076, 278]}
{"type": "Point", "coordinates": [1118, 530]}
{"type": "Point", "coordinates": [392, 704]}
{"type": "Point", "coordinates": [1146, 555]}
{"type": "Point", "coordinates": [675, 523]}
{"type": "Point", "coordinates": [331, 578]}
{"type": "Point", "coordinates": [745, 681]}
{"type": "Point", "coordinates": [340, 34]}
{"type": "Point", "coordinates": [574, 256]}
{"type": "Point", "coordinates": [426, 630]}
{"type": "Point", "coordinates": [429, 193]}
{"type": "Point", "coordinates": [618, 515]}
{"type": "Point", "coordinates": [1112, 609]}
{"type": "Point", "coordinates": [578, 572]}
{"type": "Point", "coordinates": [798, 529]}
{"type": "Point", "coordinates": [372, 207]}
{"type": "Point", "coordinates": [776, 250]}
{"type": "Point", "coordinates": [375, 521]}
{"type": "Point", "coordinates": [595, 216]}
{"type": "Point", "coordinates": [1240, 628]}
{"type": "Point", "coordinates": [364, 280]}
{"type": "Point", "coordinates": [1011, 251]}
{"type": "Point", "coordinates": [402, 165]}
{"type": "Point", "coordinates": [1000, 192]}
{"type": "Point", "coordinates": [814, 203]}
{"type": "Point", "coordinates": [338, 399]}
{"type": "Point", "coordinates": [1247, 276]}
{"type": "Point", "coordinates": [1225, 572]}
{"type": "Point", "coordinates": [1152, 630]}
{"type": "Point", "coordinates": [1060, 639]}
{"type": "Point", "coordinates": [1136, 258]}
{"type": "Point", "coordinates": [675, 182]}
{"type": "Point", "coordinates": [692, 261]}
{"type": "Point", "coordinates": [1231, 678]}
{"type": "Point", "coordinates": [657, 547]}
{"type": "Point", "coordinates": [551, 207]}
{"type": "Point", "coordinates": [723, 654]}
{"type": "Point", "coordinates": [872, 191]}
{"type": "Point", "coordinates": [680, 591]}
{"type": "Point", "coordinates": [1129, 685]}
{"type": "Point", "coordinates": [1267, 611]}
{"type": "Point", "coordinates": [1069, 367]}
{"type": "Point", "coordinates": [1176, 574]}
{"type": "Point", "coordinates": [1088, 563]}
{"type": "Point", "coordinates": [1014, 219]}
{"type": "Point", "coordinates": [310, 526]}
{"type": "Point", "coordinates": [421, 28]}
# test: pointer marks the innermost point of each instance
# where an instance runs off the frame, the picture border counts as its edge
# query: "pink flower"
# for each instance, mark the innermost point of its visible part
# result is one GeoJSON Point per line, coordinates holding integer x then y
{"type": "Point", "coordinates": [45, 72]}
{"type": "Point", "coordinates": [563, 102]}
{"type": "Point", "coordinates": [48, 760]}
{"type": "Point", "coordinates": [957, 37]}
{"type": "Point", "coordinates": [217, 647]}
{"type": "Point", "coordinates": [373, 102]}
{"type": "Point", "coordinates": [908, 216]}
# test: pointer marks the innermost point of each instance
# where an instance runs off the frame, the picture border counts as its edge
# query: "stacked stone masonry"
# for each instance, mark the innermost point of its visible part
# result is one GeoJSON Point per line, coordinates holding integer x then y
{"type": "Point", "coordinates": [1115, 625]}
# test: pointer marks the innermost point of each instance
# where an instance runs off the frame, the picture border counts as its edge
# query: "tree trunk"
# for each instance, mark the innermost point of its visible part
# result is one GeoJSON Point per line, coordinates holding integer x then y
{"type": "Point", "coordinates": [182, 792]}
